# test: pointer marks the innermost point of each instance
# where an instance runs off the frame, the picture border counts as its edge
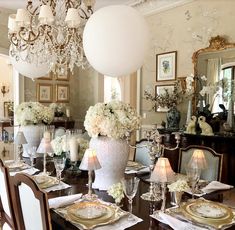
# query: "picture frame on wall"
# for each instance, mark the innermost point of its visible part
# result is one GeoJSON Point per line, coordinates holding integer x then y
{"type": "Point", "coordinates": [166, 66]}
{"type": "Point", "coordinates": [44, 93]}
{"type": "Point", "coordinates": [8, 108]}
{"type": "Point", "coordinates": [161, 89]}
{"type": "Point", "coordinates": [64, 77]}
{"type": "Point", "coordinates": [62, 93]}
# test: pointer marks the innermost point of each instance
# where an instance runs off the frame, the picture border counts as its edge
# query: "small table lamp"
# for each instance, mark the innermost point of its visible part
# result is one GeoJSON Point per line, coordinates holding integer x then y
{"type": "Point", "coordinates": [162, 173]}
{"type": "Point", "coordinates": [89, 163]}
{"type": "Point", "coordinates": [45, 148]}
{"type": "Point", "coordinates": [198, 160]}
{"type": "Point", "coordinates": [19, 141]}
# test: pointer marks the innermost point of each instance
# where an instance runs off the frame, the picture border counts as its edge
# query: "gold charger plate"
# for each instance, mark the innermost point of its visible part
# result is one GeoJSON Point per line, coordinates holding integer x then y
{"type": "Point", "coordinates": [133, 165]}
{"type": "Point", "coordinates": [208, 212]}
{"type": "Point", "coordinates": [107, 215]}
{"type": "Point", "coordinates": [45, 181]}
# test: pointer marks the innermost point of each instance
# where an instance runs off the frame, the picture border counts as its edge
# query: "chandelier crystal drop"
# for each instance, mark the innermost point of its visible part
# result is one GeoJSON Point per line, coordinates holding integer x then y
{"type": "Point", "coordinates": [50, 32]}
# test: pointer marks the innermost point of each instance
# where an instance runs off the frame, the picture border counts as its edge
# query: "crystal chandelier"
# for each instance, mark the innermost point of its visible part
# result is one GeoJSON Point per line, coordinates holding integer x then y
{"type": "Point", "coordinates": [50, 32]}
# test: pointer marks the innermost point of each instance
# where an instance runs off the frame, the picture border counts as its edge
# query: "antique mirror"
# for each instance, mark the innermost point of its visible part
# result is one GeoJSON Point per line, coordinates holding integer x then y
{"type": "Point", "coordinates": [214, 62]}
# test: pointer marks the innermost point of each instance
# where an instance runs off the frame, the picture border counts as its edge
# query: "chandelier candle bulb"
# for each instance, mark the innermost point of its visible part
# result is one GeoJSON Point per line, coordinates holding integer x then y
{"type": "Point", "coordinates": [22, 17]}
{"type": "Point", "coordinates": [72, 18]}
{"type": "Point", "coordinates": [46, 16]}
{"type": "Point", "coordinates": [67, 112]}
{"type": "Point", "coordinates": [12, 26]}
{"type": "Point", "coordinates": [73, 147]}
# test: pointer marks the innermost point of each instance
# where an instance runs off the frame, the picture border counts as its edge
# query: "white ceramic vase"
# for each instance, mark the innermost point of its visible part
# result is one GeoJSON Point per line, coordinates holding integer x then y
{"type": "Point", "coordinates": [113, 156]}
{"type": "Point", "coordinates": [33, 135]}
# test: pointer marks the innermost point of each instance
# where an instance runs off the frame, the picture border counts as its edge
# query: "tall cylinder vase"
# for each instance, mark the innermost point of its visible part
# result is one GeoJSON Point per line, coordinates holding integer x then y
{"type": "Point", "coordinates": [230, 117]}
{"type": "Point", "coordinates": [113, 156]}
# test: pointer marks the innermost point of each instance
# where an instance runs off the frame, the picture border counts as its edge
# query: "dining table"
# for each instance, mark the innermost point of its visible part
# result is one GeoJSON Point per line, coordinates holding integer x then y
{"type": "Point", "coordinates": [76, 182]}
{"type": "Point", "coordinates": [141, 208]}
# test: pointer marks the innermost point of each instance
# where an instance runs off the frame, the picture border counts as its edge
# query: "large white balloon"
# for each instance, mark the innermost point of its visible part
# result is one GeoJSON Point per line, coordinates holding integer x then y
{"type": "Point", "coordinates": [30, 70]}
{"type": "Point", "coordinates": [115, 40]}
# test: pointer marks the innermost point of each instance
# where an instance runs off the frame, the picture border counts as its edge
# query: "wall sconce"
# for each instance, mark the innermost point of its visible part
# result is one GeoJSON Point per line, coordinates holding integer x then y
{"type": "Point", "coordinates": [4, 89]}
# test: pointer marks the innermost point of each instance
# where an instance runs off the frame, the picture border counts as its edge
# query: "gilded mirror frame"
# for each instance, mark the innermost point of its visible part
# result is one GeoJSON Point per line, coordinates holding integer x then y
{"type": "Point", "coordinates": [217, 43]}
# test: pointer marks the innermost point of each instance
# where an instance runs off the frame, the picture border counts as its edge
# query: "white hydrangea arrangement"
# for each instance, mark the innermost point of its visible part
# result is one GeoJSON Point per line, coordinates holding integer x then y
{"type": "Point", "coordinates": [113, 119]}
{"type": "Point", "coordinates": [33, 113]}
{"type": "Point", "coordinates": [59, 109]}
{"type": "Point", "coordinates": [84, 144]}
{"type": "Point", "coordinates": [59, 145]}
{"type": "Point", "coordinates": [116, 191]}
{"type": "Point", "coordinates": [178, 186]}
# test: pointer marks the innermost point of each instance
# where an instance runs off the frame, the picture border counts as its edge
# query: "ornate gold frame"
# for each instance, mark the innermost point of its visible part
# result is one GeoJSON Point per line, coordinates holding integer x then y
{"type": "Point", "coordinates": [217, 43]}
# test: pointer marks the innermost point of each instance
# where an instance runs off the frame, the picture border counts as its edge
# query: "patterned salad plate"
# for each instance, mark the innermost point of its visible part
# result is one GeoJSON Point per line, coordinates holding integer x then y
{"type": "Point", "coordinates": [208, 212]}
{"type": "Point", "coordinates": [90, 214]}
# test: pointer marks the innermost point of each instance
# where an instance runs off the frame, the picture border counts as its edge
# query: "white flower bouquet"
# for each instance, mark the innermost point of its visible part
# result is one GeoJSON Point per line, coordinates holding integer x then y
{"type": "Point", "coordinates": [113, 119]}
{"type": "Point", "coordinates": [59, 145]}
{"type": "Point", "coordinates": [116, 191]}
{"type": "Point", "coordinates": [84, 144]}
{"type": "Point", "coordinates": [178, 186]}
{"type": "Point", "coordinates": [59, 109]}
{"type": "Point", "coordinates": [33, 113]}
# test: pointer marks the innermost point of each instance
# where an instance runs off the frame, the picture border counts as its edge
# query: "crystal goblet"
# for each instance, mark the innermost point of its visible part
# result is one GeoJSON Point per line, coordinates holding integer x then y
{"type": "Point", "coordinates": [59, 166]}
{"type": "Point", "coordinates": [193, 176]}
{"type": "Point", "coordinates": [130, 186]}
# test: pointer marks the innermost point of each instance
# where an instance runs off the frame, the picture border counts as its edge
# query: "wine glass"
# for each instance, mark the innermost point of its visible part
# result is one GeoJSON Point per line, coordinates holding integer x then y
{"type": "Point", "coordinates": [59, 166]}
{"type": "Point", "coordinates": [130, 186]}
{"type": "Point", "coordinates": [31, 151]}
{"type": "Point", "coordinates": [193, 176]}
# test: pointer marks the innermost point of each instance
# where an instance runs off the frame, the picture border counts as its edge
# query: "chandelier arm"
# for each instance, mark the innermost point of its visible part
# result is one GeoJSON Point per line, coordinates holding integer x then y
{"type": "Point", "coordinates": [29, 39]}
{"type": "Point", "coordinates": [13, 39]}
{"type": "Point", "coordinates": [83, 14]}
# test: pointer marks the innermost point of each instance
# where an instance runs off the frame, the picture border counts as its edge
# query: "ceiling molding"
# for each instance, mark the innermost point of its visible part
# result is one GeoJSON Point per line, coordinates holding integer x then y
{"type": "Point", "coordinates": [150, 7]}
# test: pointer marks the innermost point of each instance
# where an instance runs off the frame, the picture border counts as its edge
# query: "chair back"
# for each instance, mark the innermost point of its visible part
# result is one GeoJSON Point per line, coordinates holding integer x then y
{"type": "Point", "coordinates": [142, 153]}
{"type": "Point", "coordinates": [214, 161]}
{"type": "Point", "coordinates": [6, 204]}
{"type": "Point", "coordinates": [32, 204]}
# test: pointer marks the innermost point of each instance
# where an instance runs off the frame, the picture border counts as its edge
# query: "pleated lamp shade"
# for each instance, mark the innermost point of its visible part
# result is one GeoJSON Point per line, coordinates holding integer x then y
{"type": "Point", "coordinates": [90, 161]}
{"type": "Point", "coordinates": [162, 171]}
{"type": "Point", "coordinates": [45, 146]}
{"type": "Point", "coordinates": [198, 159]}
{"type": "Point", "coordinates": [20, 138]}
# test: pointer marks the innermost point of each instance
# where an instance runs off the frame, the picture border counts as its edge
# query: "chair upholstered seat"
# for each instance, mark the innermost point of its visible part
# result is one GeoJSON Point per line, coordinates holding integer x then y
{"type": "Point", "coordinates": [142, 153]}
{"type": "Point", "coordinates": [214, 161]}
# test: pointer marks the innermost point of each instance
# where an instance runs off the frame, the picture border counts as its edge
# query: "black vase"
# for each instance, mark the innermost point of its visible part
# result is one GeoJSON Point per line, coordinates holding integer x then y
{"type": "Point", "coordinates": [173, 118]}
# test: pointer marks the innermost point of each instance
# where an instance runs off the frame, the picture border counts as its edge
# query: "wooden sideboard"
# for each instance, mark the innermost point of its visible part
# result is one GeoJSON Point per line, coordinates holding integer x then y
{"type": "Point", "coordinates": [221, 144]}
{"type": "Point", "coordinates": [66, 123]}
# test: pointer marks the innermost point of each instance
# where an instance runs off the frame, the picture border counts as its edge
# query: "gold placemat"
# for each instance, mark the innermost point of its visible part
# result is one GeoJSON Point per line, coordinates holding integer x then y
{"type": "Point", "coordinates": [44, 181]}
{"type": "Point", "coordinates": [101, 213]}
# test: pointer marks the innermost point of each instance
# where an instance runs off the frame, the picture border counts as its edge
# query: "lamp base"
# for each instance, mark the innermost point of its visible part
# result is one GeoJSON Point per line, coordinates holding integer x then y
{"type": "Point", "coordinates": [90, 197]}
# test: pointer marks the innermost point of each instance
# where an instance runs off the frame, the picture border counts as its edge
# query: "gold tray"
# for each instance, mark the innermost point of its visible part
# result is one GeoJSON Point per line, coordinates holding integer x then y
{"type": "Point", "coordinates": [45, 181]}
{"type": "Point", "coordinates": [108, 215]}
{"type": "Point", "coordinates": [208, 212]}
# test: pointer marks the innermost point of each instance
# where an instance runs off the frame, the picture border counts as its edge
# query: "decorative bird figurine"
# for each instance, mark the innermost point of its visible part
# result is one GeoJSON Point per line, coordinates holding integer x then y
{"type": "Point", "coordinates": [191, 127]}
{"type": "Point", "coordinates": [205, 127]}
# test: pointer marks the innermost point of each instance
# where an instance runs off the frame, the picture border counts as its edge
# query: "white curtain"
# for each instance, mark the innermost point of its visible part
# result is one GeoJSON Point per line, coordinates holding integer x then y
{"type": "Point", "coordinates": [213, 72]}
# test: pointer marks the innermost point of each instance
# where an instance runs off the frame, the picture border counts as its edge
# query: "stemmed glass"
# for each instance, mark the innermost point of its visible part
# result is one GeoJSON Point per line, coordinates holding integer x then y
{"type": "Point", "coordinates": [130, 186]}
{"type": "Point", "coordinates": [193, 176]}
{"type": "Point", "coordinates": [59, 166]}
{"type": "Point", "coordinates": [31, 151]}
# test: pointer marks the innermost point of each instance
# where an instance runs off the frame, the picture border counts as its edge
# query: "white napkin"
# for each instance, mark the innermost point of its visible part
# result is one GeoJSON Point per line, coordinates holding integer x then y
{"type": "Point", "coordinates": [214, 186]}
{"type": "Point", "coordinates": [56, 187]}
{"type": "Point", "coordinates": [29, 171]}
{"type": "Point", "coordinates": [174, 223]}
{"type": "Point", "coordinates": [143, 170]}
{"type": "Point", "coordinates": [63, 200]}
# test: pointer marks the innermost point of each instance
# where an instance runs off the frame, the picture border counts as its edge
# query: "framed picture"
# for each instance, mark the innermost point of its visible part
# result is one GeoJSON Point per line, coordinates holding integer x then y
{"type": "Point", "coordinates": [62, 93]}
{"type": "Point", "coordinates": [161, 89]}
{"type": "Point", "coordinates": [166, 65]}
{"type": "Point", "coordinates": [44, 92]}
{"type": "Point", "coordinates": [64, 77]}
{"type": "Point", "coordinates": [8, 108]}
{"type": "Point", "coordinates": [47, 77]}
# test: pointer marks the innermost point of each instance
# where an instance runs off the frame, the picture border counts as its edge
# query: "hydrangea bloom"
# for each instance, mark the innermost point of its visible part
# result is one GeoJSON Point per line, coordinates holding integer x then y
{"type": "Point", "coordinates": [178, 186]}
{"type": "Point", "coordinates": [116, 191]}
{"type": "Point", "coordinates": [33, 113]}
{"type": "Point", "coordinates": [113, 119]}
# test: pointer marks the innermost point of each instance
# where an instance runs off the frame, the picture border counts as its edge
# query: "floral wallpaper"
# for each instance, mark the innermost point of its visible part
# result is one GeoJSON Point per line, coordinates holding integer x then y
{"type": "Point", "coordinates": [184, 29]}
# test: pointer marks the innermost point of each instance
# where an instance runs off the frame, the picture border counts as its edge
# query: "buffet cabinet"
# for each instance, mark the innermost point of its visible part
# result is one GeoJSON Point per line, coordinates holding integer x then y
{"type": "Point", "coordinates": [221, 144]}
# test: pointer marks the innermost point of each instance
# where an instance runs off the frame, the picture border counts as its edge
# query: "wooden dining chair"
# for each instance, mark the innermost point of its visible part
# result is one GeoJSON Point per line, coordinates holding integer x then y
{"type": "Point", "coordinates": [8, 219]}
{"type": "Point", "coordinates": [214, 162]}
{"type": "Point", "coordinates": [31, 204]}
